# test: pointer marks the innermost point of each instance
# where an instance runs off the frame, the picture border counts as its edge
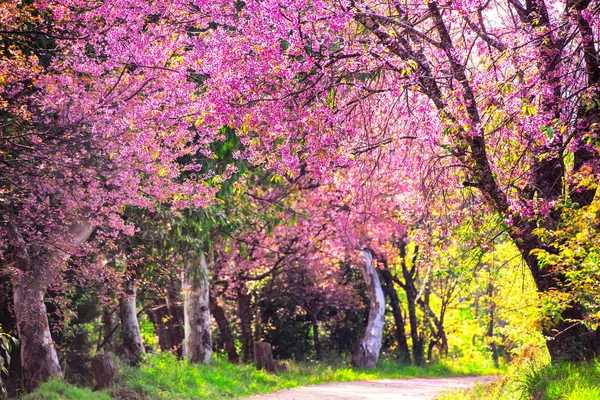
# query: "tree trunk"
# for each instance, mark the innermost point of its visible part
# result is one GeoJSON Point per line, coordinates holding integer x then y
{"type": "Point", "coordinates": [103, 367]}
{"type": "Point", "coordinates": [316, 340]}
{"type": "Point", "coordinates": [410, 288]}
{"type": "Point", "coordinates": [399, 332]}
{"type": "Point", "coordinates": [417, 340]}
{"type": "Point", "coordinates": [167, 328]}
{"type": "Point", "coordinates": [175, 306]}
{"type": "Point", "coordinates": [568, 339]}
{"type": "Point", "coordinates": [245, 315]}
{"type": "Point", "coordinates": [263, 357]}
{"type": "Point", "coordinates": [493, 346]}
{"type": "Point", "coordinates": [224, 329]}
{"type": "Point", "coordinates": [491, 323]}
{"type": "Point", "coordinates": [197, 346]}
{"type": "Point", "coordinates": [166, 314]}
{"type": "Point", "coordinates": [443, 338]}
{"type": "Point", "coordinates": [435, 324]}
{"type": "Point", "coordinates": [38, 354]}
{"type": "Point", "coordinates": [109, 325]}
{"type": "Point", "coordinates": [158, 314]}
{"type": "Point", "coordinates": [132, 347]}
{"type": "Point", "coordinates": [366, 352]}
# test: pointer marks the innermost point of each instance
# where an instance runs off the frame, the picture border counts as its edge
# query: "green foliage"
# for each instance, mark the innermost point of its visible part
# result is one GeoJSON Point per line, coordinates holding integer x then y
{"type": "Point", "coordinates": [147, 331]}
{"type": "Point", "coordinates": [562, 381]}
{"type": "Point", "coordinates": [162, 376]}
{"type": "Point", "coordinates": [484, 282]}
{"type": "Point", "coordinates": [56, 389]}
{"type": "Point", "coordinates": [77, 338]}
{"type": "Point", "coordinates": [286, 328]}
{"type": "Point", "coordinates": [7, 343]}
{"type": "Point", "coordinates": [574, 250]}
{"type": "Point", "coordinates": [538, 379]}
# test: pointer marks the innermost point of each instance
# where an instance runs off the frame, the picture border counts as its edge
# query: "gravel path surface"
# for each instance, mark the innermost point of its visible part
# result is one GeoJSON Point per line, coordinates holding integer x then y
{"type": "Point", "coordinates": [385, 389]}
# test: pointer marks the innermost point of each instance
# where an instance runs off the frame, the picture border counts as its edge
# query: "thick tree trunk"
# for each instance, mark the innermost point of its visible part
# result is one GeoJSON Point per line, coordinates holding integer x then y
{"type": "Point", "coordinates": [569, 340]}
{"type": "Point", "coordinates": [197, 345]}
{"type": "Point", "coordinates": [263, 357]}
{"type": "Point", "coordinates": [225, 330]}
{"type": "Point", "coordinates": [38, 354]}
{"type": "Point", "coordinates": [132, 347]}
{"type": "Point", "coordinates": [103, 367]}
{"type": "Point", "coordinates": [245, 315]}
{"type": "Point", "coordinates": [366, 352]}
{"type": "Point", "coordinates": [399, 332]}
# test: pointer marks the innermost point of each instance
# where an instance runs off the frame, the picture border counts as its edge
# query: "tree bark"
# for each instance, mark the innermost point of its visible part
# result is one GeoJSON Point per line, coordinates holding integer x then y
{"type": "Point", "coordinates": [38, 354]}
{"type": "Point", "coordinates": [399, 332]}
{"type": "Point", "coordinates": [490, 335]}
{"type": "Point", "coordinates": [245, 315]}
{"type": "Point", "coordinates": [197, 345]}
{"type": "Point", "coordinates": [103, 367]}
{"type": "Point", "coordinates": [132, 347]}
{"type": "Point", "coordinates": [224, 329]}
{"type": "Point", "coordinates": [263, 357]}
{"type": "Point", "coordinates": [366, 352]}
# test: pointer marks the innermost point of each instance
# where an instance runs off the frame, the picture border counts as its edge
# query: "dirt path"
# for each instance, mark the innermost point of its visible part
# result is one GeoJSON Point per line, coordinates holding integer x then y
{"type": "Point", "coordinates": [385, 389]}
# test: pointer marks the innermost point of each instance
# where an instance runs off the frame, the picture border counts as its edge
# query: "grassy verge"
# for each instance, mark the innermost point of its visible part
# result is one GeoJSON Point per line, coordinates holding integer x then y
{"type": "Point", "coordinates": [164, 377]}
{"type": "Point", "coordinates": [541, 381]}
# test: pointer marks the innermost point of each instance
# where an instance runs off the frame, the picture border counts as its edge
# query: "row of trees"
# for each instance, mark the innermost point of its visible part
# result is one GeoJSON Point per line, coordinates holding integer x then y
{"type": "Point", "coordinates": [249, 137]}
{"type": "Point", "coordinates": [282, 286]}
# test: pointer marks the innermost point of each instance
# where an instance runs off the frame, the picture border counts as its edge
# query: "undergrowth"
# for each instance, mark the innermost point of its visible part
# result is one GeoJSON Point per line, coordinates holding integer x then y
{"type": "Point", "coordinates": [541, 380]}
{"type": "Point", "coordinates": [162, 376]}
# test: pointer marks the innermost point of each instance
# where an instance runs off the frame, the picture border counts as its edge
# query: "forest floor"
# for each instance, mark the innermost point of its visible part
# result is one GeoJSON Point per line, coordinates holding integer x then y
{"type": "Point", "coordinates": [385, 389]}
{"type": "Point", "coordinates": [162, 376]}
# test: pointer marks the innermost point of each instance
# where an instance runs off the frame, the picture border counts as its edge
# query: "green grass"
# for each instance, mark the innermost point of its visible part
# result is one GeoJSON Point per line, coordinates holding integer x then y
{"type": "Point", "coordinates": [542, 381]}
{"type": "Point", "coordinates": [58, 390]}
{"type": "Point", "coordinates": [163, 377]}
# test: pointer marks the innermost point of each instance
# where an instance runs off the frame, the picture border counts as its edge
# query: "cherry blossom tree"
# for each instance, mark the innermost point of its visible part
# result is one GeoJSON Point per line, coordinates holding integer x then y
{"type": "Point", "coordinates": [97, 108]}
